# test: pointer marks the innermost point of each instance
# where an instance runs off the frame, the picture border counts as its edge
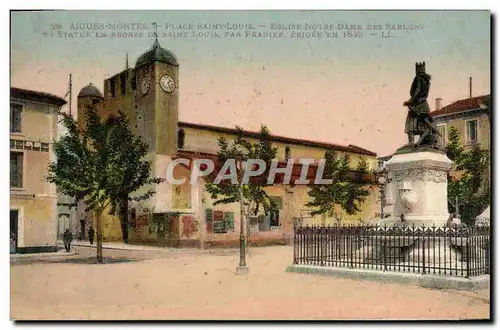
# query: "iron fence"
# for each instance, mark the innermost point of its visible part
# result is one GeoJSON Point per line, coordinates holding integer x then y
{"type": "Point", "coordinates": [450, 251]}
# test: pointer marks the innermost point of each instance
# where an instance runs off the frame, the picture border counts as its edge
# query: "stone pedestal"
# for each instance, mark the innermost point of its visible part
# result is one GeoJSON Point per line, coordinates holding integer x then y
{"type": "Point", "coordinates": [241, 270]}
{"type": "Point", "coordinates": [419, 187]}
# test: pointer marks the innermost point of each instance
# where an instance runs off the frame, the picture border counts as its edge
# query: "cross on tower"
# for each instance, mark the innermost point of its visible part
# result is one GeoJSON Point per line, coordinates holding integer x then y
{"type": "Point", "coordinates": [156, 29]}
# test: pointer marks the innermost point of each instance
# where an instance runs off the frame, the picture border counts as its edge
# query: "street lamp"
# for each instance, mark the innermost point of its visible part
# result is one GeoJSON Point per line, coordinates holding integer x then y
{"type": "Point", "coordinates": [383, 180]}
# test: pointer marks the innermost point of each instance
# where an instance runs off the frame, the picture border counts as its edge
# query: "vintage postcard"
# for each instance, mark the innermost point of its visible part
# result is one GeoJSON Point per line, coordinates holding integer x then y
{"type": "Point", "coordinates": [250, 165]}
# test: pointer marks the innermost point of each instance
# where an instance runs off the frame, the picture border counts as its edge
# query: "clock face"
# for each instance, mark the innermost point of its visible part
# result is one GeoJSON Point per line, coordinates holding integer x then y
{"type": "Point", "coordinates": [145, 84]}
{"type": "Point", "coordinates": [167, 83]}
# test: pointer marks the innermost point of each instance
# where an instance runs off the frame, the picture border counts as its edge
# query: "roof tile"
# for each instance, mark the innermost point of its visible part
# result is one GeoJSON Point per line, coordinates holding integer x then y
{"type": "Point", "coordinates": [462, 105]}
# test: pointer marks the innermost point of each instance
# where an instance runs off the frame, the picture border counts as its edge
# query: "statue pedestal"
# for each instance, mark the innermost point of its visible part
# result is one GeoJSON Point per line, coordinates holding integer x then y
{"type": "Point", "coordinates": [420, 187]}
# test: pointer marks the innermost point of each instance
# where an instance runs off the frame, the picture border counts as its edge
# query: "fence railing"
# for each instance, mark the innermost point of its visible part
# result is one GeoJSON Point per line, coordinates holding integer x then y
{"type": "Point", "coordinates": [450, 251]}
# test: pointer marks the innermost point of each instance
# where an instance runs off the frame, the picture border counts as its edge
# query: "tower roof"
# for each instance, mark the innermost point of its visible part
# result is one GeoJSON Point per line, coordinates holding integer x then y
{"type": "Point", "coordinates": [90, 90]}
{"type": "Point", "coordinates": [156, 54]}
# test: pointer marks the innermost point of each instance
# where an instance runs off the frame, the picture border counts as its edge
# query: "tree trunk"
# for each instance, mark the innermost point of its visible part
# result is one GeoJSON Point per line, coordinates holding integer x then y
{"type": "Point", "coordinates": [99, 235]}
{"type": "Point", "coordinates": [124, 218]}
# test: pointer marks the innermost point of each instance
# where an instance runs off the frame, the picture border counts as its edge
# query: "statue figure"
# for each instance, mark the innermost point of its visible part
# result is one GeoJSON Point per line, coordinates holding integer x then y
{"type": "Point", "coordinates": [419, 122]}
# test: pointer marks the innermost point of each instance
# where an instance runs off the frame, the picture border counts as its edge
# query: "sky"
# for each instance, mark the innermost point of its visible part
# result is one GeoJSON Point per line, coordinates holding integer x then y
{"type": "Point", "coordinates": [339, 90]}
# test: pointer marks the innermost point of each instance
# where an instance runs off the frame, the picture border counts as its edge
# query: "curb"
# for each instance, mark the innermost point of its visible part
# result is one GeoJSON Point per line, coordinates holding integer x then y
{"type": "Point", "coordinates": [21, 256]}
{"type": "Point", "coordinates": [167, 249]}
{"type": "Point", "coordinates": [427, 281]}
{"type": "Point", "coordinates": [156, 249]}
{"type": "Point", "coordinates": [116, 248]}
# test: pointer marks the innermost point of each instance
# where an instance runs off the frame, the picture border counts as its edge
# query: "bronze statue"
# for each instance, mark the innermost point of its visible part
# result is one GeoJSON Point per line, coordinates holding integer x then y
{"type": "Point", "coordinates": [419, 122]}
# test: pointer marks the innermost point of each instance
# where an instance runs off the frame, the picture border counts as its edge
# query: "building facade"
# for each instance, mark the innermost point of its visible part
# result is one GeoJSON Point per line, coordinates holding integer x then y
{"type": "Point", "coordinates": [33, 201]}
{"type": "Point", "coordinates": [149, 94]}
{"type": "Point", "coordinates": [470, 117]}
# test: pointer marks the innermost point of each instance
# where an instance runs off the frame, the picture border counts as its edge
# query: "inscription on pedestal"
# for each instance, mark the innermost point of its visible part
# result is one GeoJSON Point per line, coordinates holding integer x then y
{"type": "Point", "coordinates": [419, 184]}
{"type": "Point", "coordinates": [419, 174]}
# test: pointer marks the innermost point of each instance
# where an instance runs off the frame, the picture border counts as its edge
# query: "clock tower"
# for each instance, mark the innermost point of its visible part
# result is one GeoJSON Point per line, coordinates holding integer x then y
{"type": "Point", "coordinates": [156, 112]}
{"type": "Point", "coordinates": [157, 99]}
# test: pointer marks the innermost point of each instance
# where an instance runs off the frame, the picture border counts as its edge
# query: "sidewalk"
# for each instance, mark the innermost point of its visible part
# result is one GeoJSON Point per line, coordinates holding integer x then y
{"type": "Point", "coordinates": [59, 253]}
{"type": "Point", "coordinates": [134, 247]}
{"type": "Point", "coordinates": [120, 246]}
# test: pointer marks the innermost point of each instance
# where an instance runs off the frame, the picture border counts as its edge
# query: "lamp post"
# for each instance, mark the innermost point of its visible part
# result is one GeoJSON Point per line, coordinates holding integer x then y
{"type": "Point", "coordinates": [242, 268]}
{"type": "Point", "coordinates": [383, 180]}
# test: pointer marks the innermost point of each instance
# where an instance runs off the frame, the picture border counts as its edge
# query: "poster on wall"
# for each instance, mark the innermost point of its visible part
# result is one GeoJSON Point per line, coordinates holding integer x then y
{"type": "Point", "coordinates": [219, 224]}
{"type": "Point", "coordinates": [209, 220]}
{"type": "Point", "coordinates": [189, 226]}
{"type": "Point", "coordinates": [219, 227]}
{"type": "Point", "coordinates": [229, 220]}
{"type": "Point", "coordinates": [253, 225]}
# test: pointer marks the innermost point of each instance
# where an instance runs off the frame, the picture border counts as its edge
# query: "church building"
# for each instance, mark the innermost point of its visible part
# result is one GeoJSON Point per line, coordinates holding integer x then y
{"type": "Point", "coordinates": [184, 215]}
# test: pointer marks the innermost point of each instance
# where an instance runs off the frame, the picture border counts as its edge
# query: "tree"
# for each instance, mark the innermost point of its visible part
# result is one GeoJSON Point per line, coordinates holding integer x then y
{"type": "Point", "coordinates": [468, 181]}
{"type": "Point", "coordinates": [347, 190]}
{"type": "Point", "coordinates": [454, 149]}
{"type": "Point", "coordinates": [98, 164]}
{"type": "Point", "coordinates": [250, 195]}
{"type": "Point", "coordinates": [135, 171]}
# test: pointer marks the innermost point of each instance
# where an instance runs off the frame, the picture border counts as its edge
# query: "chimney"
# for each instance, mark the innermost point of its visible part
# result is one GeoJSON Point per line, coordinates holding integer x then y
{"type": "Point", "coordinates": [470, 87]}
{"type": "Point", "coordinates": [438, 103]}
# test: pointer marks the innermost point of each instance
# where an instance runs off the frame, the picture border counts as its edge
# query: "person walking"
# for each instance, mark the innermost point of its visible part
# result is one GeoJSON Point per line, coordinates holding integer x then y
{"type": "Point", "coordinates": [67, 238]}
{"type": "Point", "coordinates": [91, 235]}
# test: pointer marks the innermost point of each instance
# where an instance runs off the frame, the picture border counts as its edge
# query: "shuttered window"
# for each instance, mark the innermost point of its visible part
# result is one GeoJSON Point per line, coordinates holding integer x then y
{"type": "Point", "coordinates": [16, 170]}
{"type": "Point", "coordinates": [442, 139]}
{"type": "Point", "coordinates": [471, 131]}
{"type": "Point", "coordinates": [15, 117]}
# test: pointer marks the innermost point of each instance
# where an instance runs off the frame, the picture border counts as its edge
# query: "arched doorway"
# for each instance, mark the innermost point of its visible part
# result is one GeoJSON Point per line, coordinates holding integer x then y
{"type": "Point", "coordinates": [63, 224]}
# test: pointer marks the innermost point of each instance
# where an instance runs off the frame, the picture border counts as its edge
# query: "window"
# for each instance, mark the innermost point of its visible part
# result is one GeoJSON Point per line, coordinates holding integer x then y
{"type": "Point", "coordinates": [180, 138]}
{"type": "Point", "coordinates": [271, 220]}
{"type": "Point", "coordinates": [229, 220]}
{"type": "Point", "coordinates": [133, 217]}
{"type": "Point", "coordinates": [442, 139]}
{"type": "Point", "coordinates": [471, 126]}
{"type": "Point", "coordinates": [112, 87]}
{"type": "Point", "coordinates": [16, 170]}
{"type": "Point", "coordinates": [359, 177]}
{"type": "Point", "coordinates": [287, 153]}
{"type": "Point", "coordinates": [133, 83]}
{"type": "Point", "coordinates": [15, 117]}
{"type": "Point", "coordinates": [274, 220]}
{"type": "Point", "coordinates": [274, 215]}
{"type": "Point", "coordinates": [123, 83]}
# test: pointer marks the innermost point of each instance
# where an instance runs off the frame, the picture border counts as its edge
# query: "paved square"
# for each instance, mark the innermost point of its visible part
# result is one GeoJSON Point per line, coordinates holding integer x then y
{"type": "Point", "coordinates": [200, 285]}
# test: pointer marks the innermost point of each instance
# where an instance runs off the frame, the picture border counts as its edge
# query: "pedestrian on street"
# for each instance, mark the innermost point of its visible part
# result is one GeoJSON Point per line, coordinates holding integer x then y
{"type": "Point", "coordinates": [67, 238]}
{"type": "Point", "coordinates": [91, 235]}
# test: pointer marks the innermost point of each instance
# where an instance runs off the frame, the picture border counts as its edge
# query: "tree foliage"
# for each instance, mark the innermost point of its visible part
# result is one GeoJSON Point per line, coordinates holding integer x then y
{"type": "Point", "coordinates": [468, 181]}
{"type": "Point", "coordinates": [100, 164]}
{"type": "Point", "coordinates": [135, 171]}
{"type": "Point", "coordinates": [251, 195]}
{"type": "Point", "coordinates": [348, 188]}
